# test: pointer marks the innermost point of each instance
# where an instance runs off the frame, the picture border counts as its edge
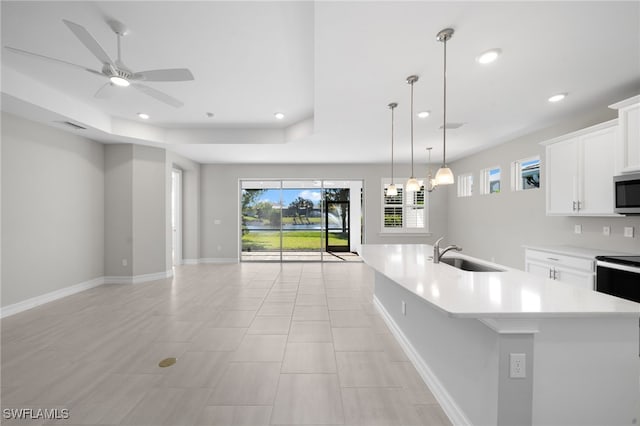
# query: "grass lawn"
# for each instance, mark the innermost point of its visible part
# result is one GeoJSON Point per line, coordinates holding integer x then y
{"type": "Point", "coordinates": [291, 240]}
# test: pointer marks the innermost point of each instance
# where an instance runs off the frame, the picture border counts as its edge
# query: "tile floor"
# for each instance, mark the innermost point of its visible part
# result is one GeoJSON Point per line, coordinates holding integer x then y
{"type": "Point", "coordinates": [256, 344]}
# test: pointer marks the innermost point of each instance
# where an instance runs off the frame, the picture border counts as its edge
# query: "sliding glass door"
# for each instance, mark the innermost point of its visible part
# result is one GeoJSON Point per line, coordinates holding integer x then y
{"type": "Point", "coordinates": [295, 220]}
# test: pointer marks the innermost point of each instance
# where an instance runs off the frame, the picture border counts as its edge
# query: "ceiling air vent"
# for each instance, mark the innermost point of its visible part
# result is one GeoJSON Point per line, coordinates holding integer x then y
{"type": "Point", "coordinates": [454, 125]}
{"type": "Point", "coordinates": [73, 125]}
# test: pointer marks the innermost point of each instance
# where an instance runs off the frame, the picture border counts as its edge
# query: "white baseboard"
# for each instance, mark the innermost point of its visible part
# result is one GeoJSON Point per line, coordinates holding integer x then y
{"type": "Point", "coordinates": [49, 297]}
{"type": "Point", "coordinates": [218, 260]}
{"type": "Point", "coordinates": [449, 406]}
{"type": "Point", "coordinates": [190, 261]}
{"type": "Point", "coordinates": [136, 279]}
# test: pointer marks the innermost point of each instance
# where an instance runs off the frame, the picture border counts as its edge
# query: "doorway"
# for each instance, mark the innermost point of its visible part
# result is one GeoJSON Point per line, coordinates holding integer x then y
{"type": "Point", "coordinates": [176, 217]}
{"type": "Point", "coordinates": [300, 220]}
{"type": "Point", "coordinates": [337, 220]}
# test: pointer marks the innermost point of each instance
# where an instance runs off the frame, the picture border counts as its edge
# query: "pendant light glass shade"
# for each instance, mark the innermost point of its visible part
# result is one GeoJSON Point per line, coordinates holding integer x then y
{"type": "Point", "coordinates": [392, 191]}
{"type": "Point", "coordinates": [444, 176]}
{"type": "Point", "coordinates": [412, 183]}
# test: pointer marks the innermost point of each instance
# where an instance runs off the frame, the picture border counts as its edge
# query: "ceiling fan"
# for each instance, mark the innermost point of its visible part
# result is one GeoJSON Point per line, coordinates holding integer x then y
{"type": "Point", "coordinates": [116, 71]}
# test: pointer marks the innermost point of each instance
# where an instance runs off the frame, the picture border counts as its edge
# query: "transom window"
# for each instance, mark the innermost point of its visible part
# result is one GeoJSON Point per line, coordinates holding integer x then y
{"type": "Point", "coordinates": [525, 174]}
{"type": "Point", "coordinates": [465, 185]}
{"type": "Point", "coordinates": [405, 212]}
{"type": "Point", "coordinates": [490, 180]}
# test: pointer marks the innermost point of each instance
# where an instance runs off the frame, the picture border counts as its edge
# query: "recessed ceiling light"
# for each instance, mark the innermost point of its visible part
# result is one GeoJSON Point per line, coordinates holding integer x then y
{"type": "Point", "coordinates": [143, 115]}
{"type": "Point", "coordinates": [423, 114]}
{"type": "Point", "coordinates": [119, 81]}
{"type": "Point", "coordinates": [279, 115]}
{"type": "Point", "coordinates": [488, 56]}
{"type": "Point", "coordinates": [558, 97]}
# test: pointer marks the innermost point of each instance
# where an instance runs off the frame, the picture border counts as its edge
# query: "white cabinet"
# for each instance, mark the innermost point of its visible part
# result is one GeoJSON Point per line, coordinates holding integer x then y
{"type": "Point", "coordinates": [579, 171]}
{"type": "Point", "coordinates": [629, 138]}
{"type": "Point", "coordinates": [578, 271]}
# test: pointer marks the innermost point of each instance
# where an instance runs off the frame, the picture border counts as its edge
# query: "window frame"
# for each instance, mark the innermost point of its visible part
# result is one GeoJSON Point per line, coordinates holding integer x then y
{"type": "Point", "coordinates": [485, 180]}
{"type": "Point", "coordinates": [405, 205]}
{"type": "Point", "coordinates": [516, 173]}
{"type": "Point", "coordinates": [465, 185]}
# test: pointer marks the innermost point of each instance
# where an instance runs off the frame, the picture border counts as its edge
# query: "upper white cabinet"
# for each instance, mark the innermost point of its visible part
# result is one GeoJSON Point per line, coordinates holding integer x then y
{"type": "Point", "coordinates": [579, 171]}
{"type": "Point", "coordinates": [629, 138]}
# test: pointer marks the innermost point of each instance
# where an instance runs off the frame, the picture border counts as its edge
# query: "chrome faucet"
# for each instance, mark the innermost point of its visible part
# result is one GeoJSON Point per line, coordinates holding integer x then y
{"type": "Point", "coordinates": [437, 254]}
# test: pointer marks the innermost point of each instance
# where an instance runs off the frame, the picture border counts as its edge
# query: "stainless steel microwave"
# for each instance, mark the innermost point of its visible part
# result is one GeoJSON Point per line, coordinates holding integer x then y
{"type": "Point", "coordinates": [626, 190]}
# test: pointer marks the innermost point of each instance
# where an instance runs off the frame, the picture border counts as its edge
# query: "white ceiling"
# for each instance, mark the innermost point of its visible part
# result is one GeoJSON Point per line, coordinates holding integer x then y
{"type": "Point", "coordinates": [339, 63]}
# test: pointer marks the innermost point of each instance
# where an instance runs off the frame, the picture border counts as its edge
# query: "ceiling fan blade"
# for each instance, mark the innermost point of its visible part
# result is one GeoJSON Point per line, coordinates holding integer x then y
{"type": "Point", "coordinates": [89, 42]}
{"type": "Point", "coordinates": [47, 58]}
{"type": "Point", "coordinates": [176, 74]}
{"type": "Point", "coordinates": [106, 91]}
{"type": "Point", "coordinates": [161, 96]}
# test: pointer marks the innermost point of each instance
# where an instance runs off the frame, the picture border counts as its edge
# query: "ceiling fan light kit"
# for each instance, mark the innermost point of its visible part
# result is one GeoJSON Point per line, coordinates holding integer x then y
{"type": "Point", "coordinates": [117, 73]}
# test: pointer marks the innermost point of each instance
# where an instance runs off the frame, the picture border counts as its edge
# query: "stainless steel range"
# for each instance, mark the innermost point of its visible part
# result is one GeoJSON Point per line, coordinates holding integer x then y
{"type": "Point", "coordinates": [619, 276]}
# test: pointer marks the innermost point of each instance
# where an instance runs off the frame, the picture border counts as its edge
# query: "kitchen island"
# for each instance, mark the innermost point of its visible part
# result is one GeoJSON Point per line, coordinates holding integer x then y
{"type": "Point", "coordinates": [471, 334]}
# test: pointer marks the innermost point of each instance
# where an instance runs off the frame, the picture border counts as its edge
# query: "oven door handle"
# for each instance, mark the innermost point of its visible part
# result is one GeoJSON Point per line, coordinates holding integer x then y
{"type": "Point", "coordinates": [618, 266]}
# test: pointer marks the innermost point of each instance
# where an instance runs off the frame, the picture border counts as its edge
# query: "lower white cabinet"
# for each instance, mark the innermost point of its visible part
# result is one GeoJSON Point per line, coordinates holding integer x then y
{"type": "Point", "coordinates": [578, 271]}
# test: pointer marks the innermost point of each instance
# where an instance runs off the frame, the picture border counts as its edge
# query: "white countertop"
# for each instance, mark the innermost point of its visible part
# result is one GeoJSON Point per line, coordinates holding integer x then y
{"type": "Point", "coordinates": [582, 252]}
{"type": "Point", "coordinates": [509, 294]}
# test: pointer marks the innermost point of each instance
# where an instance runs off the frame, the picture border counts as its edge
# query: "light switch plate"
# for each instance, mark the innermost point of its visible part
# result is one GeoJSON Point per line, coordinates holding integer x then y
{"type": "Point", "coordinates": [628, 231]}
{"type": "Point", "coordinates": [606, 231]}
{"type": "Point", "coordinates": [577, 229]}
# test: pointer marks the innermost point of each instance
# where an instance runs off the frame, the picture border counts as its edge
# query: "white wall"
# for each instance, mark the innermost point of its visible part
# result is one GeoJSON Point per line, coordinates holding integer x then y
{"type": "Point", "coordinates": [219, 198]}
{"type": "Point", "coordinates": [52, 209]}
{"type": "Point", "coordinates": [495, 226]}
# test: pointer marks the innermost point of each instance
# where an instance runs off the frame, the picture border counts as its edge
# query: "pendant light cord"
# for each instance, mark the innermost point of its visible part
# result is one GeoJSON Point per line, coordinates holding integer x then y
{"type": "Point", "coordinates": [392, 120]}
{"type": "Point", "coordinates": [444, 124]}
{"type": "Point", "coordinates": [412, 175]}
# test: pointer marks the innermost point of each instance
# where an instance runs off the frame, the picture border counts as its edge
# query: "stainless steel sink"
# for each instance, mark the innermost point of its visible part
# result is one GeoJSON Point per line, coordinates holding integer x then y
{"type": "Point", "coordinates": [467, 265]}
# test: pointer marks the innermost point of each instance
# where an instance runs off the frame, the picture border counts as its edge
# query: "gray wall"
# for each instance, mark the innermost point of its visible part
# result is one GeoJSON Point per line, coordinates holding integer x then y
{"type": "Point", "coordinates": [149, 211]}
{"type": "Point", "coordinates": [52, 209]}
{"type": "Point", "coordinates": [135, 210]}
{"type": "Point", "coordinates": [219, 199]}
{"type": "Point", "coordinates": [118, 202]}
{"type": "Point", "coordinates": [495, 226]}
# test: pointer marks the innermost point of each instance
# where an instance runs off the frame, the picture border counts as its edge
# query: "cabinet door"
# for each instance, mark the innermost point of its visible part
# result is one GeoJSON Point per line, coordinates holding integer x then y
{"type": "Point", "coordinates": [577, 278]}
{"type": "Point", "coordinates": [562, 174]}
{"type": "Point", "coordinates": [597, 168]}
{"type": "Point", "coordinates": [630, 137]}
{"type": "Point", "coordinates": [538, 269]}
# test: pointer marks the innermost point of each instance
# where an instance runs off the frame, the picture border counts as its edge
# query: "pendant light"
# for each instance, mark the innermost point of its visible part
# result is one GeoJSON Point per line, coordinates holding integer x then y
{"type": "Point", "coordinates": [431, 182]}
{"type": "Point", "coordinates": [444, 176]}
{"type": "Point", "coordinates": [392, 191]}
{"type": "Point", "coordinates": [412, 183]}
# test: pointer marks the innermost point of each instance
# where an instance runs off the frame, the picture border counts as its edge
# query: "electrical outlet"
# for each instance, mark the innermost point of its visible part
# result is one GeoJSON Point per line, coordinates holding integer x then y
{"type": "Point", "coordinates": [628, 231]}
{"type": "Point", "coordinates": [517, 366]}
{"type": "Point", "coordinates": [217, 221]}
{"type": "Point", "coordinates": [219, 248]}
{"type": "Point", "coordinates": [606, 231]}
{"type": "Point", "coordinates": [577, 229]}
{"type": "Point", "coordinates": [404, 308]}
{"type": "Point", "coordinates": [124, 262]}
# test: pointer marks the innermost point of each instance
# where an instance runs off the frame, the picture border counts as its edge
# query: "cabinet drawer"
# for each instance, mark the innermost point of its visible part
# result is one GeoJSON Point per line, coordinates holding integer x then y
{"type": "Point", "coordinates": [581, 264]}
